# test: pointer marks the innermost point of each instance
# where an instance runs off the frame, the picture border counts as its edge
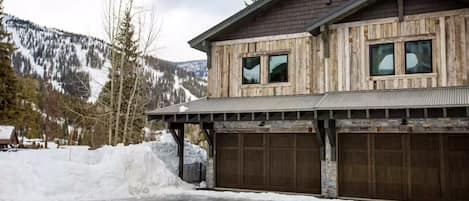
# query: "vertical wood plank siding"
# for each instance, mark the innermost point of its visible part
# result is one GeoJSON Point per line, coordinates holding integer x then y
{"type": "Point", "coordinates": [347, 68]}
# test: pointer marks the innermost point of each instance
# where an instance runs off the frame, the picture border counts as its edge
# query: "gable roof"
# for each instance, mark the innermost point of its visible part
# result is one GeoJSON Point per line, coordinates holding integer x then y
{"type": "Point", "coordinates": [335, 15]}
{"type": "Point", "coordinates": [198, 42]}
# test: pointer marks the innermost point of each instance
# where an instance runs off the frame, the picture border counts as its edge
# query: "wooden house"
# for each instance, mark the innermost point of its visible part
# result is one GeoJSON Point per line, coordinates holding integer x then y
{"type": "Point", "coordinates": [8, 137]}
{"type": "Point", "coordinates": [361, 99]}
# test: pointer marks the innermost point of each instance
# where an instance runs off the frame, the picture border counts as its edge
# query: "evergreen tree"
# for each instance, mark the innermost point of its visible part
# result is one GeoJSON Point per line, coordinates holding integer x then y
{"type": "Point", "coordinates": [8, 81]}
{"type": "Point", "coordinates": [129, 92]}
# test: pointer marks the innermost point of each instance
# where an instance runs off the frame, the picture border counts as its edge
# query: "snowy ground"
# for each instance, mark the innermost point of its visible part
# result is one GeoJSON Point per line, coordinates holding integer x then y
{"type": "Point", "coordinates": [143, 172]}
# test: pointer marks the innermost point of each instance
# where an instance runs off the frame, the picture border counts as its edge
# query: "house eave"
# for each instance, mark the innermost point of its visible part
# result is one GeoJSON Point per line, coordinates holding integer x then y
{"type": "Point", "coordinates": [337, 14]}
{"type": "Point", "coordinates": [198, 42]}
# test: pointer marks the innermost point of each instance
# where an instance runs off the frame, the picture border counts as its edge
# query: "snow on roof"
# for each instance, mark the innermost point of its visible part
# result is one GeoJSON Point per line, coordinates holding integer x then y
{"type": "Point", "coordinates": [5, 132]}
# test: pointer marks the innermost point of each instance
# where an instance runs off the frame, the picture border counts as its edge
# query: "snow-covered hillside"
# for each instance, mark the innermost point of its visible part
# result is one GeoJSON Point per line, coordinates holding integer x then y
{"type": "Point", "coordinates": [199, 67]}
{"type": "Point", "coordinates": [79, 65]}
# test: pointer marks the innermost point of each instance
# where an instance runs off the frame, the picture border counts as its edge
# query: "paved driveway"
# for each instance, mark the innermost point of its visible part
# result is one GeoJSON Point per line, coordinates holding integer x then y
{"type": "Point", "coordinates": [188, 198]}
{"type": "Point", "coordinates": [224, 196]}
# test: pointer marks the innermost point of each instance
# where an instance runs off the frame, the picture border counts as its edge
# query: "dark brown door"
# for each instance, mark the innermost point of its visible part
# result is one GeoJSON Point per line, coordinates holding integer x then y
{"type": "Point", "coordinates": [404, 166]}
{"type": "Point", "coordinates": [275, 162]}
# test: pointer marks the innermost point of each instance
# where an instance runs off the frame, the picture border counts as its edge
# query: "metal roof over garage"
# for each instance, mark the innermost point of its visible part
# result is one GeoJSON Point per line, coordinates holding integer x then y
{"type": "Point", "coordinates": [241, 105]}
{"type": "Point", "coordinates": [390, 99]}
{"type": "Point", "coordinates": [410, 103]}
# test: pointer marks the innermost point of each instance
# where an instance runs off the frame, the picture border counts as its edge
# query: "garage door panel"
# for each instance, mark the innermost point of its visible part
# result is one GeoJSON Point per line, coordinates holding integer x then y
{"type": "Point", "coordinates": [253, 168]}
{"type": "Point", "coordinates": [308, 172]}
{"type": "Point", "coordinates": [306, 141]}
{"type": "Point", "coordinates": [354, 156]}
{"type": "Point", "coordinates": [405, 166]}
{"type": "Point", "coordinates": [281, 141]}
{"type": "Point", "coordinates": [278, 162]}
{"type": "Point", "coordinates": [425, 167]}
{"type": "Point", "coordinates": [281, 168]}
{"type": "Point", "coordinates": [389, 175]}
{"type": "Point", "coordinates": [253, 140]}
{"type": "Point", "coordinates": [228, 168]}
{"type": "Point", "coordinates": [458, 167]}
{"type": "Point", "coordinates": [228, 140]}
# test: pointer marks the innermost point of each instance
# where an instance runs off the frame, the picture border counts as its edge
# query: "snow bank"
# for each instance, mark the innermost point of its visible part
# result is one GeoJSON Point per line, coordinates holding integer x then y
{"type": "Point", "coordinates": [6, 131]}
{"type": "Point", "coordinates": [75, 173]}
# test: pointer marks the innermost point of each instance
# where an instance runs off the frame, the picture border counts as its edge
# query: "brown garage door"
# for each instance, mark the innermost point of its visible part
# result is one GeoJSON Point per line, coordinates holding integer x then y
{"type": "Point", "coordinates": [274, 162]}
{"type": "Point", "coordinates": [404, 166]}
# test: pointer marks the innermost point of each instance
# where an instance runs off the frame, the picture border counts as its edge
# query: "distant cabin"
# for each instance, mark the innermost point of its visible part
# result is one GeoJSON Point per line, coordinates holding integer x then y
{"type": "Point", "coordinates": [8, 137]}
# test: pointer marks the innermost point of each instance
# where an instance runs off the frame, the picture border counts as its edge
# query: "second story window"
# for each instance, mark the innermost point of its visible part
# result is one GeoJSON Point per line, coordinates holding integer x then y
{"type": "Point", "coordinates": [252, 70]}
{"type": "Point", "coordinates": [418, 57]}
{"type": "Point", "coordinates": [382, 59]}
{"type": "Point", "coordinates": [278, 68]}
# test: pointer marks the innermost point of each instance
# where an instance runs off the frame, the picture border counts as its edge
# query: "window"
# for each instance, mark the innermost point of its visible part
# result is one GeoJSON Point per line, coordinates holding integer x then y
{"type": "Point", "coordinates": [418, 57]}
{"type": "Point", "coordinates": [382, 59]}
{"type": "Point", "coordinates": [278, 68]}
{"type": "Point", "coordinates": [252, 70]}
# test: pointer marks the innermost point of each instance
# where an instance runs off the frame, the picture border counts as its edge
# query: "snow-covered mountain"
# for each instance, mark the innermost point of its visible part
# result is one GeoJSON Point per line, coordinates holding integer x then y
{"type": "Point", "coordinates": [79, 65]}
{"type": "Point", "coordinates": [199, 67]}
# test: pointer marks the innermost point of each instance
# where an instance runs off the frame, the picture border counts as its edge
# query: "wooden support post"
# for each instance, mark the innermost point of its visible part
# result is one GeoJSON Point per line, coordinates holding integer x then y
{"type": "Point", "coordinates": [179, 138]}
{"type": "Point", "coordinates": [325, 40]}
{"type": "Point", "coordinates": [331, 131]}
{"type": "Point", "coordinates": [207, 129]}
{"type": "Point", "coordinates": [181, 152]}
{"type": "Point", "coordinates": [320, 136]}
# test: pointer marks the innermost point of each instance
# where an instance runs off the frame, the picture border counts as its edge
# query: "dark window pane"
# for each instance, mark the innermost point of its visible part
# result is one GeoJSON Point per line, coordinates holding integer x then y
{"type": "Point", "coordinates": [418, 57]}
{"type": "Point", "coordinates": [278, 68]}
{"type": "Point", "coordinates": [252, 70]}
{"type": "Point", "coordinates": [382, 59]}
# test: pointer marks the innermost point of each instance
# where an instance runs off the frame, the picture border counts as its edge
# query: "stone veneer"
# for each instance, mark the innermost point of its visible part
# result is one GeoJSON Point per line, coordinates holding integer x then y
{"type": "Point", "coordinates": [329, 174]}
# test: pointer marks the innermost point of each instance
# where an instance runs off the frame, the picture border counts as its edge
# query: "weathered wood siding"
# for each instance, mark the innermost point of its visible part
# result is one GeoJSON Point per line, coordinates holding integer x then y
{"type": "Point", "coordinates": [225, 76]}
{"type": "Point", "coordinates": [347, 68]}
{"type": "Point", "coordinates": [447, 31]}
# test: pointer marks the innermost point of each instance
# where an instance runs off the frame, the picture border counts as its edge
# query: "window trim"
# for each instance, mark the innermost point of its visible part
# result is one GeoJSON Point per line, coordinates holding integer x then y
{"type": "Point", "coordinates": [405, 56]}
{"type": "Point", "coordinates": [371, 58]}
{"type": "Point", "coordinates": [288, 68]}
{"type": "Point", "coordinates": [242, 69]}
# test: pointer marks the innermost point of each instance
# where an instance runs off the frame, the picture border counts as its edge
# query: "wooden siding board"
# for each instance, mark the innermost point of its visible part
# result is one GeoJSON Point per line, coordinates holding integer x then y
{"type": "Point", "coordinates": [347, 68]}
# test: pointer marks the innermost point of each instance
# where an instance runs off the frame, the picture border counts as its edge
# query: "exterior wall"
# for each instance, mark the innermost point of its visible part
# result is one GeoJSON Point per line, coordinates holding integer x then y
{"type": "Point", "coordinates": [225, 76]}
{"type": "Point", "coordinates": [447, 30]}
{"type": "Point", "coordinates": [347, 68]}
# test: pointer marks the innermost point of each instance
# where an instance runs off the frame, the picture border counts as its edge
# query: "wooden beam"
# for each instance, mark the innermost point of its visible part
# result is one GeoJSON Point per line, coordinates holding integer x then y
{"type": "Point", "coordinates": [181, 152]}
{"type": "Point", "coordinates": [326, 41]}
{"type": "Point", "coordinates": [175, 136]}
{"type": "Point", "coordinates": [331, 131]}
{"type": "Point", "coordinates": [400, 5]}
{"type": "Point", "coordinates": [209, 135]}
{"type": "Point", "coordinates": [208, 131]}
{"type": "Point", "coordinates": [320, 136]}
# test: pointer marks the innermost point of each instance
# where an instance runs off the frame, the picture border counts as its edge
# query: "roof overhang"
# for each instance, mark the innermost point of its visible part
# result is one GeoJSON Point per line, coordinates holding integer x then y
{"type": "Point", "coordinates": [388, 104]}
{"type": "Point", "coordinates": [201, 42]}
{"type": "Point", "coordinates": [337, 15]}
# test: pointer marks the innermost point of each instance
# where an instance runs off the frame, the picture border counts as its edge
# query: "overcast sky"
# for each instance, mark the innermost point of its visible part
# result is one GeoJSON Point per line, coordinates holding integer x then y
{"type": "Point", "coordinates": [180, 20]}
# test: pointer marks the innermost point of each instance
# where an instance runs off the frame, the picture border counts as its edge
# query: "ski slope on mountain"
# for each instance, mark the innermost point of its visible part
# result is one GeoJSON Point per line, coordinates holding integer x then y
{"type": "Point", "coordinates": [79, 65]}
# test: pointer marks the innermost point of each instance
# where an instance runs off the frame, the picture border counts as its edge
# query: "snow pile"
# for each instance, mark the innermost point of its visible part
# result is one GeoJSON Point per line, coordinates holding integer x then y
{"type": "Point", "coordinates": [5, 132]}
{"type": "Point", "coordinates": [75, 173]}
